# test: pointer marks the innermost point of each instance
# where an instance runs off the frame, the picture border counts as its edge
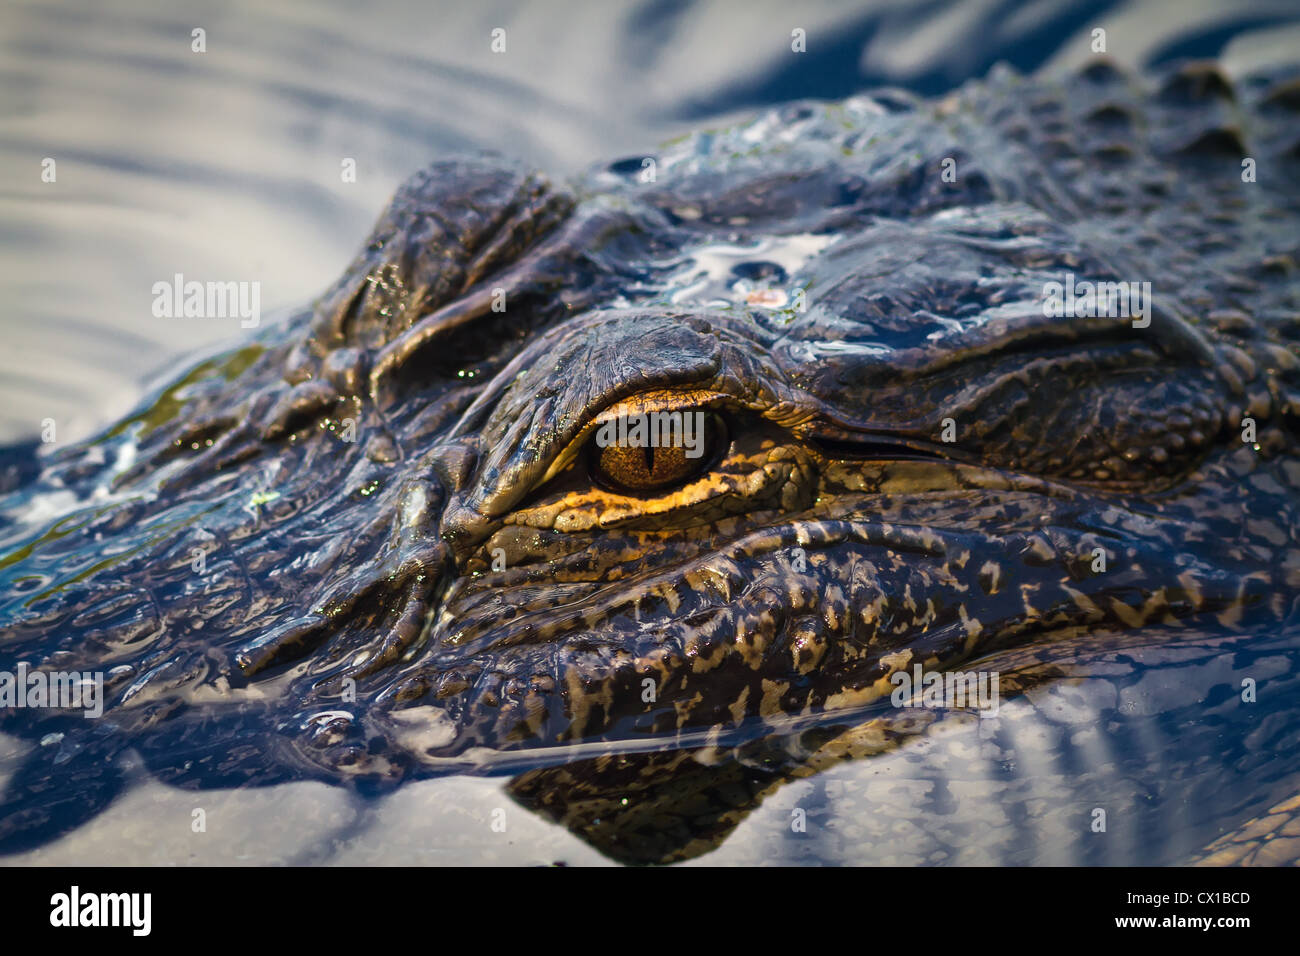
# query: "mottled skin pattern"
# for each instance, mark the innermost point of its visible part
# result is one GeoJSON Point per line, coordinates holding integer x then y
{"type": "Point", "coordinates": [453, 590]}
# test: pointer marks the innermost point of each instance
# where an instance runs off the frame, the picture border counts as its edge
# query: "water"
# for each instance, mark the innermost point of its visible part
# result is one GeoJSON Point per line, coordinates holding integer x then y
{"type": "Point", "coordinates": [1165, 751]}
{"type": "Point", "coordinates": [225, 165]}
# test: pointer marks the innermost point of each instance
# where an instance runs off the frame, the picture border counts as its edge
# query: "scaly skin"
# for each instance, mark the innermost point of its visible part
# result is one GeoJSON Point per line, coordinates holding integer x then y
{"type": "Point", "coordinates": [455, 583]}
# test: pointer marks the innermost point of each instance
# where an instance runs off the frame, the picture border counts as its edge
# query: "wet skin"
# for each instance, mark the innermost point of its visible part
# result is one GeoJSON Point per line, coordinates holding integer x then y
{"type": "Point", "coordinates": [416, 560]}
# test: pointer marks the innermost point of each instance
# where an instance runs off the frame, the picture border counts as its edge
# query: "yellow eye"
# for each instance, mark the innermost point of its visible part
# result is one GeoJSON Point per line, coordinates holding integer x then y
{"type": "Point", "coordinates": [653, 451]}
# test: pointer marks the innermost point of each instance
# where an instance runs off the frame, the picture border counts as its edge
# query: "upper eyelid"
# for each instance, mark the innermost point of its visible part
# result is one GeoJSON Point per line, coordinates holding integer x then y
{"type": "Point", "coordinates": [672, 401]}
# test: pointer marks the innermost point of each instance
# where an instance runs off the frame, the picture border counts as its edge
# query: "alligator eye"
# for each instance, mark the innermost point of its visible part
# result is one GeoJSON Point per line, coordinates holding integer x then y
{"type": "Point", "coordinates": [653, 451]}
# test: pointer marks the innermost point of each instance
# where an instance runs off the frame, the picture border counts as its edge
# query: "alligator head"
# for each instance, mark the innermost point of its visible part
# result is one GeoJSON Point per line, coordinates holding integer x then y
{"type": "Point", "coordinates": [402, 533]}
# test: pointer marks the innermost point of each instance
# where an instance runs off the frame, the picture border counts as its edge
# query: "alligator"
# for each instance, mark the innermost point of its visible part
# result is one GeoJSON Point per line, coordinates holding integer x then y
{"type": "Point", "coordinates": [1002, 382]}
